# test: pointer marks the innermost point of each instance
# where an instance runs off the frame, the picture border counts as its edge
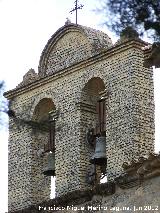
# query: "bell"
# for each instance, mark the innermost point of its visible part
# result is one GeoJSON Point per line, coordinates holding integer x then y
{"type": "Point", "coordinates": [50, 169]}
{"type": "Point", "coordinates": [99, 157]}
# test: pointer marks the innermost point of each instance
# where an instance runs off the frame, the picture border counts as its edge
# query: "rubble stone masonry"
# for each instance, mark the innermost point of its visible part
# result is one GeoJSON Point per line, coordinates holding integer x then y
{"type": "Point", "coordinates": [76, 65]}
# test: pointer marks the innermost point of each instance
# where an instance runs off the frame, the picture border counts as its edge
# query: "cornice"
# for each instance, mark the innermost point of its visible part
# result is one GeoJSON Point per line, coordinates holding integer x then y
{"type": "Point", "coordinates": [105, 54]}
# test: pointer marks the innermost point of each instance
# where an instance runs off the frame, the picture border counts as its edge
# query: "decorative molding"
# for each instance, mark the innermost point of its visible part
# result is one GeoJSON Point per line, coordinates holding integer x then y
{"type": "Point", "coordinates": [116, 49]}
{"type": "Point", "coordinates": [138, 171]}
{"type": "Point", "coordinates": [86, 107]}
{"type": "Point", "coordinates": [152, 55]}
{"type": "Point", "coordinates": [28, 78]}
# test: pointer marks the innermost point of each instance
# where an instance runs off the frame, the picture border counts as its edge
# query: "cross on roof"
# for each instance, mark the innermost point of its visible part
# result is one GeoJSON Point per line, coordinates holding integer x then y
{"type": "Point", "coordinates": [76, 8]}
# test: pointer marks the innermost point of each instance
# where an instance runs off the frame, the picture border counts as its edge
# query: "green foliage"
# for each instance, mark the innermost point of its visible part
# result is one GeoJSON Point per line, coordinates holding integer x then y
{"type": "Point", "coordinates": [142, 15]}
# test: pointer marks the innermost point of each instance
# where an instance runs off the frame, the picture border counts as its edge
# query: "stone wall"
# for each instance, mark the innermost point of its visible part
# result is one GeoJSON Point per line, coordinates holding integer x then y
{"type": "Point", "coordinates": [105, 198]}
{"type": "Point", "coordinates": [142, 198]}
{"type": "Point", "coordinates": [129, 121]}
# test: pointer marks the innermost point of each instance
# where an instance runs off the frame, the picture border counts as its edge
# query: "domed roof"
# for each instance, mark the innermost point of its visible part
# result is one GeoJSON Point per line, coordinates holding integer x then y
{"type": "Point", "coordinates": [69, 45]}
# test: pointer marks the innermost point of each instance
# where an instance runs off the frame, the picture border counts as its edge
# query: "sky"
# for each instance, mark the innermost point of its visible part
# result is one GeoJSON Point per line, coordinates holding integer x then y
{"type": "Point", "coordinates": [25, 27]}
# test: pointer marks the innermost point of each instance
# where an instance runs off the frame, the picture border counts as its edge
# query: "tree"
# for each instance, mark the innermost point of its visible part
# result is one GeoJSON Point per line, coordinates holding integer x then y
{"type": "Point", "coordinates": [142, 15]}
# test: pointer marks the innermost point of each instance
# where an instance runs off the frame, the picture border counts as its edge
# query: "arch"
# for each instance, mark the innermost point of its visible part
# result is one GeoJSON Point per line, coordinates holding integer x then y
{"type": "Point", "coordinates": [93, 119]}
{"type": "Point", "coordinates": [41, 141]}
{"type": "Point", "coordinates": [91, 97]}
{"type": "Point", "coordinates": [92, 89]}
{"type": "Point", "coordinates": [42, 109]}
{"type": "Point", "coordinates": [95, 39]}
{"type": "Point", "coordinates": [95, 84]}
{"type": "Point", "coordinates": [38, 98]}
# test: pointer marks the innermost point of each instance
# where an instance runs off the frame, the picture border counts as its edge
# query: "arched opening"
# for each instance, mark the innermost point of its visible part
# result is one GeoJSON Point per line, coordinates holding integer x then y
{"type": "Point", "coordinates": [44, 117]}
{"type": "Point", "coordinates": [42, 109]}
{"type": "Point", "coordinates": [93, 121]}
{"type": "Point", "coordinates": [93, 99]}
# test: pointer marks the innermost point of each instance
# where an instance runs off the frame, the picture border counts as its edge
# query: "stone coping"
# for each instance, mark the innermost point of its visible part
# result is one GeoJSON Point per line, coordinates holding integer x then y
{"type": "Point", "coordinates": [73, 198]}
{"type": "Point", "coordinates": [136, 172]}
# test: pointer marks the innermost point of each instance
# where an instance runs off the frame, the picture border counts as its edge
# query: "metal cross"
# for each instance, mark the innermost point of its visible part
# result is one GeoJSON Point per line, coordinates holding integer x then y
{"type": "Point", "coordinates": [76, 8]}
